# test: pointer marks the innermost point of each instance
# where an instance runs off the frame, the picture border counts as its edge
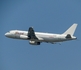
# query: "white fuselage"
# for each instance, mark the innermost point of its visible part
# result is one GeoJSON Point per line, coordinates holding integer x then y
{"type": "Point", "coordinates": [42, 37]}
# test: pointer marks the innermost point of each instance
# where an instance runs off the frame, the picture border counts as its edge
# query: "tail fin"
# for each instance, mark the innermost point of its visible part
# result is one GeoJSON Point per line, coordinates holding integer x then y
{"type": "Point", "coordinates": [71, 30]}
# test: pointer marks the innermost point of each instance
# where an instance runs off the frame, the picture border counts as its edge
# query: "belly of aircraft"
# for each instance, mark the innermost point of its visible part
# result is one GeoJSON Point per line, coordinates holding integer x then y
{"type": "Point", "coordinates": [53, 39]}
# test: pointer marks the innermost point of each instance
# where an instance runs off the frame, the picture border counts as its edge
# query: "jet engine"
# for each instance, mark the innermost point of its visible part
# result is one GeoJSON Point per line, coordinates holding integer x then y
{"type": "Point", "coordinates": [34, 43]}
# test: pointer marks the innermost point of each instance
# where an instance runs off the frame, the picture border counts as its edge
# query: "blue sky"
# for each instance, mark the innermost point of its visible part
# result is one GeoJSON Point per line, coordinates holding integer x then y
{"type": "Point", "coordinates": [54, 16]}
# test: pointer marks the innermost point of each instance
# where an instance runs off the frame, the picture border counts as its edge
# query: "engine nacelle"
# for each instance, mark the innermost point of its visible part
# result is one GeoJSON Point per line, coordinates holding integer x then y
{"type": "Point", "coordinates": [34, 43]}
{"type": "Point", "coordinates": [23, 37]}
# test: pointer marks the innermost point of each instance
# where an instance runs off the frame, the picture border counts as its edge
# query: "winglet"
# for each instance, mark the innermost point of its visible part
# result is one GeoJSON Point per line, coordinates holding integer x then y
{"type": "Point", "coordinates": [71, 30]}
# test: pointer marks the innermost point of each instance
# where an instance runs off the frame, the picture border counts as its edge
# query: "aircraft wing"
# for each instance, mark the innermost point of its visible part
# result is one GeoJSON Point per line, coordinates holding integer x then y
{"type": "Point", "coordinates": [31, 33]}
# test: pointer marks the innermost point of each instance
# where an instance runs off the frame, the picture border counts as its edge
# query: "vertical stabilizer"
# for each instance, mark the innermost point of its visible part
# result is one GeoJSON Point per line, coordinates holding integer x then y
{"type": "Point", "coordinates": [71, 30]}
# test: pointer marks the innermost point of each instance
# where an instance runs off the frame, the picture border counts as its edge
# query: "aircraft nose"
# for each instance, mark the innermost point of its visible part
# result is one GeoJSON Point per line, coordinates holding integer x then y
{"type": "Point", "coordinates": [7, 34]}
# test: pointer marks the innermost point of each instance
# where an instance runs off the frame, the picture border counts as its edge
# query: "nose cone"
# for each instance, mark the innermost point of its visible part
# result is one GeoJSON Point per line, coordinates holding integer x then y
{"type": "Point", "coordinates": [7, 34]}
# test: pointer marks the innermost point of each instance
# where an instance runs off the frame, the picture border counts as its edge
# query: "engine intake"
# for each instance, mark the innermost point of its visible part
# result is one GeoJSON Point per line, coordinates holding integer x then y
{"type": "Point", "coordinates": [34, 43]}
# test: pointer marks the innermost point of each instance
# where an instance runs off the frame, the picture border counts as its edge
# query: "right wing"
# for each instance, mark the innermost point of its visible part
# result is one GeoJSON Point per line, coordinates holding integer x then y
{"type": "Point", "coordinates": [31, 33]}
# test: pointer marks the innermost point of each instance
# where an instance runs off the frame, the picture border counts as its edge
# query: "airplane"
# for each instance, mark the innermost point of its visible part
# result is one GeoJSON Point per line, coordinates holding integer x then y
{"type": "Point", "coordinates": [36, 38]}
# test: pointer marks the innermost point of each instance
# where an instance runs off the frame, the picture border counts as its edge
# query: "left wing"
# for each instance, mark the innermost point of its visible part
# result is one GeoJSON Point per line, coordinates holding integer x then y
{"type": "Point", "coordinates": [31, 33]}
